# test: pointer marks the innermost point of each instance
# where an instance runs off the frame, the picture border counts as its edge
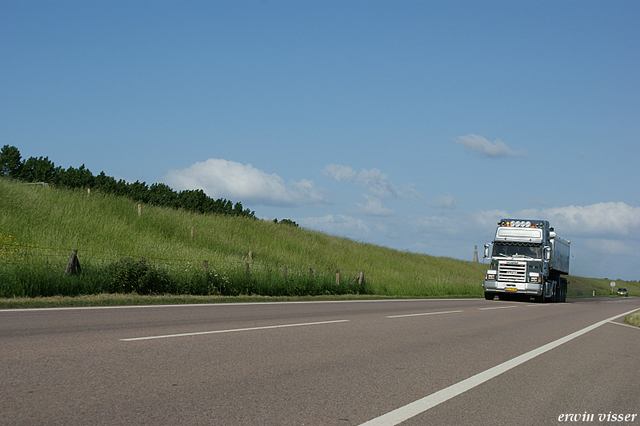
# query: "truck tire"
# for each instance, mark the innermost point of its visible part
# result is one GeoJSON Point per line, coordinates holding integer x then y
{"type": "Point", "coordinates": [560, 291]}
{"type": "Point", "coordinates": [556, 293]}
{"type": "Point", "coordinates": [489, 296]}
{"type": "Point", "coordinates": [563, 290]}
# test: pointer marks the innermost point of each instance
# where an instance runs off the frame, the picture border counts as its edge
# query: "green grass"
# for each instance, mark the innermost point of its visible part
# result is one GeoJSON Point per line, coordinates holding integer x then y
{"type": "Point", "coordinates": [633, 319]}
{"type": "Point", "coordinates": [120, 299]}
{"type": "Point", "coordinates": [584, 287]}
{"type": "Point", "coordinates": [40, 227]}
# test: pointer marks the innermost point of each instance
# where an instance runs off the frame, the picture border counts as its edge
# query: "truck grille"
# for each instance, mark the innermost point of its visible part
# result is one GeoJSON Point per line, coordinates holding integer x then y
{"type": "Point", "coordinates": [512, 271]}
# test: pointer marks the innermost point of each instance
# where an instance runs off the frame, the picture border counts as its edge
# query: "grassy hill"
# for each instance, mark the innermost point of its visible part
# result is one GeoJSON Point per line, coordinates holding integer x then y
{"type": "Point", "coordinates": [39, 227]}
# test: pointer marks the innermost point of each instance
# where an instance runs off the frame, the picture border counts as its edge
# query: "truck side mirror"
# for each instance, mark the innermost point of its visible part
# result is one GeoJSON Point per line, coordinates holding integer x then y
{"type": "Point", "coordinates": [547, 253]}
{"type": "Point", "coordinates": [486, 250]}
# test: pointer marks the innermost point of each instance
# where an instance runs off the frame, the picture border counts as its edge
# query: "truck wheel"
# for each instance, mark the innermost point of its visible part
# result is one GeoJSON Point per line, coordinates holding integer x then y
{"type": "Point", "coordinates": [489, 296]}
{"type": "Point", "coordinates": [556, 297]}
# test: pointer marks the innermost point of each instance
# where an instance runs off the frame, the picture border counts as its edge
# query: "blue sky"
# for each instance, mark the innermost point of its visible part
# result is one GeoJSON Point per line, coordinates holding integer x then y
{"type": "Point", "coordinates": [413, 125]}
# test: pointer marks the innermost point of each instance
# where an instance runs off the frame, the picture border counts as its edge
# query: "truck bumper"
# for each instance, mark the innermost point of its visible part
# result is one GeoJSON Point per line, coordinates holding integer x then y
{"type": "Point", "coordinates": [533, 289]}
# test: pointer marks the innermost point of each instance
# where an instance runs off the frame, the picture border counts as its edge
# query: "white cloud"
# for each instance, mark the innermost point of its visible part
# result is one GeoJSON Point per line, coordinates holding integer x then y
{"type": "Point", "coordinates": [586, 221]}
{"type": "Point", "coordinates": [488, 219]}
{"type": "Point", "coordinates": [615, 224]}
{"type": "Point", "coordinates": [445, 202]}
{"type": "Point", "coordinates": [373, 207]}
{"type": "Point", "coordinates": [338, 173]}
{"type": "Point", "coordinates": [376, 182]}
{"type": "Point", "coordinates": [409, 191]}
{"type": "Point", "coordinates": [596, 219]}
{"type": "Point", "coordinates": [482, 146]}
{"type": "Point", "coordinates": [242, 182]}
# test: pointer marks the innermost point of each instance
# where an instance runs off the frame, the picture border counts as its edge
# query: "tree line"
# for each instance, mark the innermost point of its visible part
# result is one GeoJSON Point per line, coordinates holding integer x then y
{"type": "Point", "coordinates": [42, 169]}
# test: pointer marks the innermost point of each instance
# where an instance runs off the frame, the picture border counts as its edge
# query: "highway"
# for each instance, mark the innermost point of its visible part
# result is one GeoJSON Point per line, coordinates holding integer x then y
{"type": "Point", "coordinates": [409, 362]}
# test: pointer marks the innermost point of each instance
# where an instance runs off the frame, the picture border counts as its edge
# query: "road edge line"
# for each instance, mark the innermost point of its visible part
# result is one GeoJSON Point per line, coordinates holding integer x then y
{"type": "Point", "coordinates": [419, 406]}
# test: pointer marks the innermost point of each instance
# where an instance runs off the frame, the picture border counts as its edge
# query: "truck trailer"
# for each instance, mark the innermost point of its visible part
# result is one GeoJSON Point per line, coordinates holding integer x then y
{"type": "Point", "coordinates": [527, 259]}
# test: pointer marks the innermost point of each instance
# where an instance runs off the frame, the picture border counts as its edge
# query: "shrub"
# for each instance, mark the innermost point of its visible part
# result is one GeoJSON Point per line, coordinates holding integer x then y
{"type": "Point", "coordinates": [129, 276]}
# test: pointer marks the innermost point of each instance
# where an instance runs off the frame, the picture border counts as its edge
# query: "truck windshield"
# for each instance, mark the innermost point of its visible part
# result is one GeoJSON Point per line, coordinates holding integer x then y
{"type": "Point", "coordinates": [517, 250]}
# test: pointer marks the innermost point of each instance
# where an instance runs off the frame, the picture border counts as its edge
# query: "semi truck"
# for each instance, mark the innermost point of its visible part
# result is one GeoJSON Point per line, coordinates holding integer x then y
{"type": "Point", "coordinates": [527, 260]}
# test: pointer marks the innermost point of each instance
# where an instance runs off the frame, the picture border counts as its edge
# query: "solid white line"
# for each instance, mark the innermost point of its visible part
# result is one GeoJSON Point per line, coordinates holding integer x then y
{"type": "Point", "coordinates": [220, 304]}
{"type": "Point", "coordinates": [426, 313]}
{"type": "Point", "coordinates": [626, 325]}
{"type": "Point", "coordinates": [497, 307]}
{"type": "Point", "coordinates": [231, 330]}
{"type": "Point", "coordinates": [401, 414]}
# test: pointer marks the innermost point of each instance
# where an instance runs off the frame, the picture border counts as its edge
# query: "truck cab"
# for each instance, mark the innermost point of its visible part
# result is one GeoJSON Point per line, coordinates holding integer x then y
{"type": "Point", "coordinates": [526, 260]}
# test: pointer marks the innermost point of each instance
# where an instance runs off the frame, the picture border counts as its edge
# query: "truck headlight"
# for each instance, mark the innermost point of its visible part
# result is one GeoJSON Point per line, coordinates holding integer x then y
{"type": "Point", "coordinates": [490, 277]}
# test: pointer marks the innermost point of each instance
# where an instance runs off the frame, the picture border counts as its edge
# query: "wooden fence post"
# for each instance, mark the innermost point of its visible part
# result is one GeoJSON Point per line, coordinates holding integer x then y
{"type": "Point", "coordinates": [337, 276]}
{"type": "Point", "coordinates": [312, 272]}
{"type": "Point", "coordinates": [205, 265]}
{"type": "Point", "coordinates": [250, 255]}
{"type": "Point", "coordinates": [247, 265]}
{"type": "Point", "coordinates": [361, 277]}
{"type": "Point", "coordinates": [192, 232]}
{"type": "Point", "coordinates": [139, 210]}
{"type": "Point", "coordinates": [73, 266]}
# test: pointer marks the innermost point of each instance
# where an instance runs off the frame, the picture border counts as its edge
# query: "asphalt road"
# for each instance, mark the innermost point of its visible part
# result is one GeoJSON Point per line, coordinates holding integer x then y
{"type": "Point", "coordinates": [410, 362]}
